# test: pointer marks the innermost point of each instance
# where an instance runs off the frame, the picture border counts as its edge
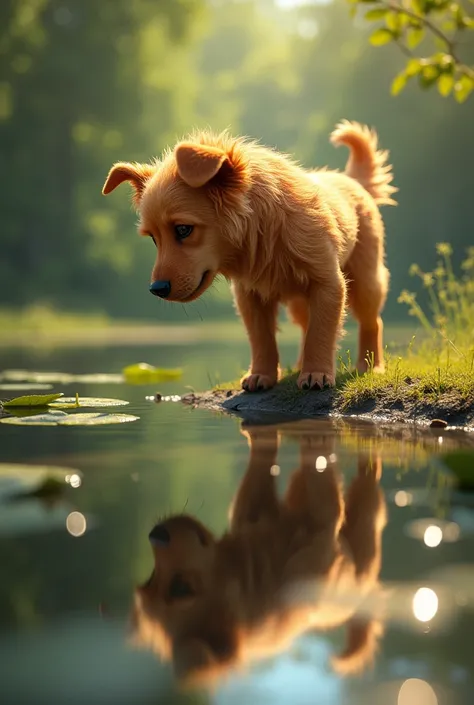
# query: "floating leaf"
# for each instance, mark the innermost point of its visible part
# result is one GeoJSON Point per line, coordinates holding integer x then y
{"type": "Point", "coordinates": [381, 36]}
{"type": "Point", "coordinates": [60, 418]}
{"type": "Point", "coordinates": [142, 373]}
{"type": "Point", "coordinates": [94, 419]}
{"type": "Point", "coordinates": [32, 400]}
{"type": "Point", "coordinates": [88, 402]}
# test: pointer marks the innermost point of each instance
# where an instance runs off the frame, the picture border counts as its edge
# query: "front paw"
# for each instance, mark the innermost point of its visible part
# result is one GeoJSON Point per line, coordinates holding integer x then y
{"type": "Point", "coordinates": [316, 380]}
{"type": "Point", "coordinates": [258, 382]}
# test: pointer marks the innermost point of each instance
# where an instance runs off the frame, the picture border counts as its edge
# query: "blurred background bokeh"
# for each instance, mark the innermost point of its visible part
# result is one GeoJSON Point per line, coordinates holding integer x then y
{"type": "Point", "coordinates": [86, 83]}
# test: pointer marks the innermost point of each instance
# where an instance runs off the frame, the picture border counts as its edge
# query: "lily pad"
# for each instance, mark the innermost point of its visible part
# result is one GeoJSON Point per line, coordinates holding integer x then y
{"type": "Point", "coordinates": [88, 402]}
{"type": "Point", "coordinates": [60, 418]}
{"type": "Point", "coordinates": [23, 386]}
{"type": "Point", "coordinates": [32, 400]}
{"type": "Point", "coordinates": [143, 373]}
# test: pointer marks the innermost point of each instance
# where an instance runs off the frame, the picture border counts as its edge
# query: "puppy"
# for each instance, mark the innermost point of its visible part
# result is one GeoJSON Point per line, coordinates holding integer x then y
{"type": "Point", "coordinates": [307, 561]}
{"type": "Point", "coordinates": [311, 240]}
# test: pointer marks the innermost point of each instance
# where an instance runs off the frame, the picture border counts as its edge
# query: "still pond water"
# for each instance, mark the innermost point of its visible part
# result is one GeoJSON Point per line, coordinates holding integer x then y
{"type": "Point", "coordinates": [69, 568]}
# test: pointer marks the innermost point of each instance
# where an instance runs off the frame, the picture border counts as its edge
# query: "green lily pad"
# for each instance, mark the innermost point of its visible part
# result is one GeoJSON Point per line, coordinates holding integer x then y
{"type": "Point", "coordinates": [32, 400]}
{"type": "Point", "coordinates": [23, 386]}
{"type": "Point", "coordinates": [60, 418]}
{"type": "Point", "coordinates": [143, 373]}
{"type": "Point", "coordinates": [88, 402]}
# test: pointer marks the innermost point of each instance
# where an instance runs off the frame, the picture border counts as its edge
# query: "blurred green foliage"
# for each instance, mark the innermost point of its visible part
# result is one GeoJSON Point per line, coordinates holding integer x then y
{"type": "Point", "coordinates": [86, 83]}
{"type": "Point", "coordinates": [437, 29]}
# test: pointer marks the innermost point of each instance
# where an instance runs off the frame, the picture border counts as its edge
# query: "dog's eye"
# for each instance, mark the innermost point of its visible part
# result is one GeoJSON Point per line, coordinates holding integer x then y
{"type": "Point", "coordinates": [154, 241]}
{"type": "Point", "coordinates": [180, 588]}
{"type": "Point", "coordinates": [183, 231]}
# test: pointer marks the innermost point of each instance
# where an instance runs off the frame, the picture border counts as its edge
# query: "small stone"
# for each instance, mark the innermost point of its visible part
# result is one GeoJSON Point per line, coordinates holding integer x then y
{"type": "Point", "coordinates": [157, 397]}
{"type": "Point", "coordinates": [438, 423]}
{"type": "Point", "coordinates": [408, 380]}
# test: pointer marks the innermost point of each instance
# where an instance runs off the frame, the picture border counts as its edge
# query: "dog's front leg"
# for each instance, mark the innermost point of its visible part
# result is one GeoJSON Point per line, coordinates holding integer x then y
{"type": "Point", "coordinates": [260, 318]}
{"type": "Point", "coordinates": [326, 301]}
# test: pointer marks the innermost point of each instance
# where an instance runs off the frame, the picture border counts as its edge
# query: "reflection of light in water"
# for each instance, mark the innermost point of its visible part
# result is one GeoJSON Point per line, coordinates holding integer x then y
{"type": "Point", "coordinates": [432, 531]}
{"type": "Point", "coordinates": [402, 498]}
{"type": "Point", "coordinates": [414, 691]}
{"type": "Point", "coordinates": [275, 470]}
{"type": "Point", "coordinates": [332, 458]}
{"type": "Point", "coordinates": [75, 481]}
{"type": "Point", "coordinates": [425, 604]}
{"type": "Point", "coordinates": [433, 536]}
{"type": "Point", "coordinates": [321, 463]}
{"type": "Point", "coordinates": [76, 524]}
{"type": "Point", "coordinates": [440, 440]}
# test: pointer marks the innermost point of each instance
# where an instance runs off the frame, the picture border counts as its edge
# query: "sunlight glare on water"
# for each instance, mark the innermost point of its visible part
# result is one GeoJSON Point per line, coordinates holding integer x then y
{"type": "Point", "coordinates": [76, 524]}
{"type": "Point", "coordinates": [433, 536]}
{"type": "Point", "coordinates": [425, 604]}
{"type": "Point", "coordinates": [415, 691]}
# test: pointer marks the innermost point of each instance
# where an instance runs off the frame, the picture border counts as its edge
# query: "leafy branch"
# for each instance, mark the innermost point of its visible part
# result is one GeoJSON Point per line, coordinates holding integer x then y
{"type": "Point", "coordinates": [410, 23]}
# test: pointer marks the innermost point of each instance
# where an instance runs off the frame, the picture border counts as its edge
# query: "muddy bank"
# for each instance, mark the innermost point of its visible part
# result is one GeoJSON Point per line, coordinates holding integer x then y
{"type": "Point", "coordinates": [284, 404]}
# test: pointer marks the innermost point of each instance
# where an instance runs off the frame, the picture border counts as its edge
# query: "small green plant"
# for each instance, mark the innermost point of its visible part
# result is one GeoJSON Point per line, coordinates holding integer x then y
{"type": "Point", "coordinates": [450, 320]}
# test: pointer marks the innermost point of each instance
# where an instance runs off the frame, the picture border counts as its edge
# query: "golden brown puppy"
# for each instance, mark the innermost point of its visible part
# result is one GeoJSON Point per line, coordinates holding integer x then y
{"type": "Point", "coordinates": [312, 240]}
{"type": "Point", "coordinates": [307, 561]}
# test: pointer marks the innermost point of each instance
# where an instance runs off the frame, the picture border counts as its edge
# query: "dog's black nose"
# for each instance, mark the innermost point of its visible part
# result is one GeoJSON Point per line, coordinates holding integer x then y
{"type": "Point", "coordinates": [160, 535]}
{"type": "Point", "coordinates": [160, 288]}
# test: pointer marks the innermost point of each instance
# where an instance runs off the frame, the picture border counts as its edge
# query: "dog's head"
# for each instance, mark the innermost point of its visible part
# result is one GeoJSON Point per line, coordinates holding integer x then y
{"type": "Point", "coordinates": [193, 203]}
{"type": "Point", "coordinates": [180, 611]}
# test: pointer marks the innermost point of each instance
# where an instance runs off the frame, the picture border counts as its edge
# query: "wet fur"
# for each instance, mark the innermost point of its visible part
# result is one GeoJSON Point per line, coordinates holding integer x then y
{"type": "Point", "coordinates": [311, 240]}
{"type": "Point", "coordinates": [310, 560]}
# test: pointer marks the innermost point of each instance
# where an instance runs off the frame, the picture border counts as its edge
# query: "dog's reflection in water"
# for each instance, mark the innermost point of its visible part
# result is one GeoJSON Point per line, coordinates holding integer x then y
{"type": "Point", "coordinates": [309, 560]}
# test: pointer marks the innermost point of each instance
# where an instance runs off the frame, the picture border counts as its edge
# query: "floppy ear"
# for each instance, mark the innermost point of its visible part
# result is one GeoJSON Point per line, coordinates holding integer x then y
{"type": "Point", "coordinates": [136, 174]}
{"type": "Point", "coordinates": [198, 164]}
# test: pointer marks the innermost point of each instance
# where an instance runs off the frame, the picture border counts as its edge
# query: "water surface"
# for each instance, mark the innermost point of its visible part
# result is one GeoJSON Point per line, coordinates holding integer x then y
{"type": "Point", "coordinates": [69, 568]}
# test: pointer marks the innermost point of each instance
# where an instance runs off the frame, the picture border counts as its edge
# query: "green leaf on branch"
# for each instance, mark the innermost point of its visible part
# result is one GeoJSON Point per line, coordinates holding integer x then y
{"type": "Point", "coordinates": [428, 76]}
{"type": "Point", "coordinates": [414, 36]}
{"type": "Point", "coordinates": [392, 21]}
{"type": "Point", "coordinates": [413, 67]}
{"type": "Point", "coordinates": [399, 83]}
{"type": "Point", "coordinates": [445, 84]}
{"type": "Point", "coordinates": [463, 88]}
{"type": "Point", "coordinates": [381, 36]}
{"type": "Point", "coordinates": [378, 14]}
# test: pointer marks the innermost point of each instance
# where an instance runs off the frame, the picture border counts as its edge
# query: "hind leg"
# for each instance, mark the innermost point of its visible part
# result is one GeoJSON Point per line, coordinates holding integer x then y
{"type": "Point", "coordinates": [367, 290]}
{"type": "Point", "coordinates": [299, 313]}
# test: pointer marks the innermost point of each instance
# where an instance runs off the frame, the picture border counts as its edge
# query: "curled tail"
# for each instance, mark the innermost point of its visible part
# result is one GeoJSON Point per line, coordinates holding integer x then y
{"type": "Point", "coordinates": [367, 164]}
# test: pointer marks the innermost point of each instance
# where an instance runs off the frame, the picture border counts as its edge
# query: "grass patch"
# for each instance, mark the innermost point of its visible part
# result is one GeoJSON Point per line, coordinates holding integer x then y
{"type": "Point", "coordinates": [437, 370]}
